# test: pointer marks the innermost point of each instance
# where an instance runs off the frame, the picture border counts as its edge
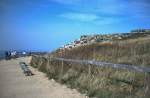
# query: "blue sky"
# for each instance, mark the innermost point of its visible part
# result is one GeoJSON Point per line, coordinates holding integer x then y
{"type": "Point", "coordinates": [48, 24]}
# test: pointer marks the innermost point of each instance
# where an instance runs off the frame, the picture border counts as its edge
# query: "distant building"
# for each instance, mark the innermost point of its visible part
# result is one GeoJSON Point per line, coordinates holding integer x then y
{"type": "Point", "coordinates": [147, 30]}
{"type": "Point", "coordinates": [24, 53]}
{"type": "Point", "coordinates": [140, 30]}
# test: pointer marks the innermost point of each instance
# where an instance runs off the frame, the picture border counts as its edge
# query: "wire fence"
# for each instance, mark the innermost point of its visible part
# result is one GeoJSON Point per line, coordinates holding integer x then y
{"type": "Point", "coordinates": [59, 69]}
{"type": "Point", "coordinates": [105, 64]}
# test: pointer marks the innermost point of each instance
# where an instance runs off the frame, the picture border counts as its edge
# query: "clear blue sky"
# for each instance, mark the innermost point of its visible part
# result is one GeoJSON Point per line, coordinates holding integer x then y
{"type": "Point", "coordinates": [48, 24]}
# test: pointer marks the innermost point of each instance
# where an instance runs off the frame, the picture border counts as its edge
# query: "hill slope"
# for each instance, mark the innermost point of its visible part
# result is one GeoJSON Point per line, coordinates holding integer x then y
{"type": "Point", "coordinates": [130, 51]}
{"type": "Point", "coordinates": [102, 82]}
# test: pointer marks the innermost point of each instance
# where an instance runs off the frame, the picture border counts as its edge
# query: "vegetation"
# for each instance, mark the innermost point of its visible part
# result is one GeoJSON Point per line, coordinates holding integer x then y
{"type": "Point", "coordinates": [132, 51]}
{"type": "Point", "coordinates": [102, 82]}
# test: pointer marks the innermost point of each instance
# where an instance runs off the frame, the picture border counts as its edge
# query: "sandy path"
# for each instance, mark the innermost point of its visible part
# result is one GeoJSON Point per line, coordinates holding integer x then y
{"type": "Point", "coordinates": [14, 84]}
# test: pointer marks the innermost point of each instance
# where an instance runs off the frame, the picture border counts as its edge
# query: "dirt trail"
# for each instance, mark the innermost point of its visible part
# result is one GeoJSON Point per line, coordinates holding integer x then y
{"type": "Point", "coordinates": [14, 84]}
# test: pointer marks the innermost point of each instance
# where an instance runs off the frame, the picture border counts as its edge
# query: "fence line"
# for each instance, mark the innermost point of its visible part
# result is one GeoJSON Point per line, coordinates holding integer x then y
{"type": "Point", "coordinates": [105, 64]}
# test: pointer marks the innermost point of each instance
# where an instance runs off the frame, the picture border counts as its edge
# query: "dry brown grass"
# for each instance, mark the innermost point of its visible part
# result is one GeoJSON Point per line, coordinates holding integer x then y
{"type": "Point", "coordinates": [98, 81]}
{"type": "Point", "coordinates": [133, 51]}
{"type": "Point", "coordinates": [102, 82]}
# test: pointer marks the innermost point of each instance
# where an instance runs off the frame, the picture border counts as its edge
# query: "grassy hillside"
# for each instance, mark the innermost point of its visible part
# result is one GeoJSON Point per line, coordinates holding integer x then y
{"type": "Point", "coordinates": [102, 82]}
{"type": "Point", "coordinates": [132, 51]}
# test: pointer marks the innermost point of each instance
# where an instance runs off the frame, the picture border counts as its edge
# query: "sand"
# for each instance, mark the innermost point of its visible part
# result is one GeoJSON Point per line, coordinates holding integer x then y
{"type": "Point", "coordinates": [14, 84]}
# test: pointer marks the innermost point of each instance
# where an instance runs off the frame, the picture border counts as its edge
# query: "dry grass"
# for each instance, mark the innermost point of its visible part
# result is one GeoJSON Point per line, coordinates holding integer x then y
{"type": "Point", "coordinates": [96, 81]}
{"type": "Point", "coordinates": [102, 82]}
{"type": "Point", "coordinates": [133, 51]}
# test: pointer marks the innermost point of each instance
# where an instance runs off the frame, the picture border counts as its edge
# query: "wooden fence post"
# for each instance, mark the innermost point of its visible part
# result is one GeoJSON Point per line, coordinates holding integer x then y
{"type": "Point", "coordinates": [89, 69]}
{"type": "Point", "coordinates": [48, 62]}
{"type": "Point", "coordinates": [62, 67]}
{"type": "Point", "coordinates": [61, 71]}
{"type": "Point", "coordinates": [147, 83]}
